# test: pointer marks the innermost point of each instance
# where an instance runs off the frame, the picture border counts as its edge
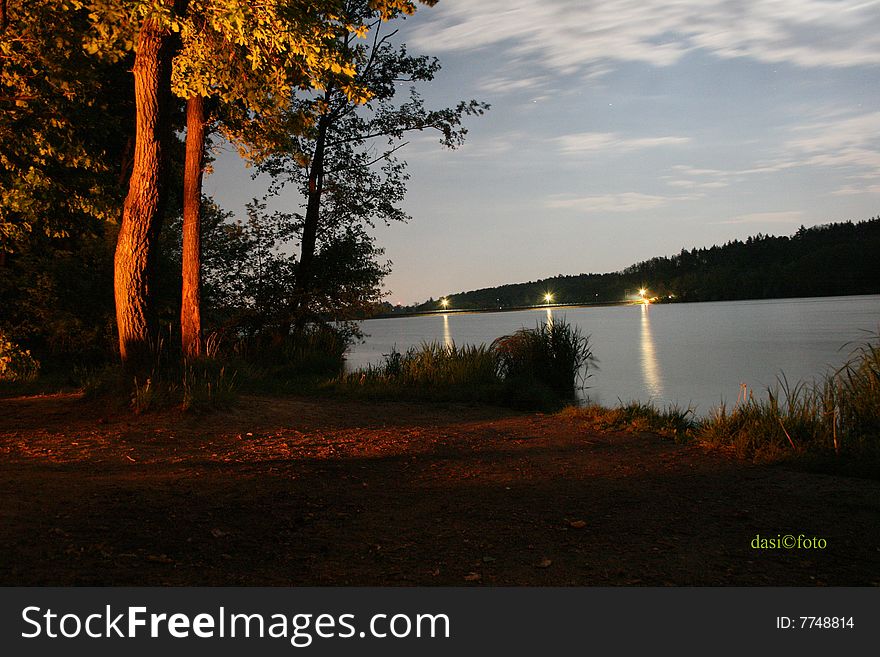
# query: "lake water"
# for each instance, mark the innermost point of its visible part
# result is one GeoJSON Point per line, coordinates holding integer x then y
{"type": "Point", "coordinates": [694, 354]}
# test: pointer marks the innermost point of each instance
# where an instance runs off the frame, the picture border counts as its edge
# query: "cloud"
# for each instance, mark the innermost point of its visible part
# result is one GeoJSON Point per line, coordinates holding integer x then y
{"type": "Point", "coordinates": [505, 85]}
{"type": "Point", "coordinates": [784, 217]}
{"type": "Point", "coordinates": [570, 36]}
{"type": "Point", "coordinates": [852, 190]}
{"type": "Point", "coordinates": [624, 202]}
{"type": "Point", "coordinates": [845, 142]}
{"type": "Point", "coordinates": [585, 142]}
{"type": "Point", "coordinates": [693, 184]}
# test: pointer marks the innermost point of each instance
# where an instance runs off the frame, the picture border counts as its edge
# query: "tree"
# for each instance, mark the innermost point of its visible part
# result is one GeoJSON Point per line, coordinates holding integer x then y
{"type": "Point", "coordinates": [344, 164]}
{"type": "Point", "coordinates": [142, 214]}
{"type": "Point", "coordinates": [282, 46]}
{"type": "Point", "coordinates": [254, 84]}
{"type": "Point", "coordinates": [249, 272]}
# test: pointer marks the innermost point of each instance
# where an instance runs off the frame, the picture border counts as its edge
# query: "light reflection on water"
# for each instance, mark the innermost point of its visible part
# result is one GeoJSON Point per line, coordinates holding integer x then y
{"type": "Point", "coordinates": [650, 366]}
{"type": "Point", "coordinates": [689, 354]}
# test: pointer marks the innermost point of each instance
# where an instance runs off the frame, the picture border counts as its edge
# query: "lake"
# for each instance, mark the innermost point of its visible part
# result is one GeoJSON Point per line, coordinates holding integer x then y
{"type": "Point", "coordinates": [690, 354]}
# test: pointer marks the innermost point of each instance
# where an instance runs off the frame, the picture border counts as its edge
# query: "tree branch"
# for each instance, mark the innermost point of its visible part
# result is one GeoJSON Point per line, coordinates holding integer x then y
{"type": "Point", "coordinates": [384, 156]}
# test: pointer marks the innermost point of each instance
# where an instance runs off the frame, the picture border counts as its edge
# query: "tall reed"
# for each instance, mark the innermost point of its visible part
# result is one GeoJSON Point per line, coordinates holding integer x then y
{"type": "Point", "coordinates": [555, 354]}
{"type": "Point", "coordinates": [839, 413]}
{"type": "Point", "coordinates": [532, 368]}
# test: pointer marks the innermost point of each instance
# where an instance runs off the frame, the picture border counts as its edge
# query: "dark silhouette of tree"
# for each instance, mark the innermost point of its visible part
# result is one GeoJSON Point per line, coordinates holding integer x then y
{"type": "Point", "coordinates": [345, 164]}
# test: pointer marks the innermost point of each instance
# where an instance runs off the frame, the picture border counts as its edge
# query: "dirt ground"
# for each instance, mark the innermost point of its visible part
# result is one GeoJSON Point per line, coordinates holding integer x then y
{"type": "Point", "coordinates": [304, 491]}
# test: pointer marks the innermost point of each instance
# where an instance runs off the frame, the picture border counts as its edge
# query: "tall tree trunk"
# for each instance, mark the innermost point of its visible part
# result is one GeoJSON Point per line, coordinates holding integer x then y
{"type": "Point", "coordinates": [190, 307]}
{"type": "Point", "coordinates": [134, 261]}
{"type": "Point", "coordinates": [304, 271]}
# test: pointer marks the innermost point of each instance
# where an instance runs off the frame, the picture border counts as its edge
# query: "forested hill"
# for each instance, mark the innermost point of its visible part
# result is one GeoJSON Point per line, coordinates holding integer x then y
{"type": "Point", "coordinates": [832, 259]}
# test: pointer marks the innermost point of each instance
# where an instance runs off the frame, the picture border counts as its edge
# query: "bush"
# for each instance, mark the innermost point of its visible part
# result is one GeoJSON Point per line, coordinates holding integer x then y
{"type": "Point", "coordinates": [194, 384]}
{"type": "Point", "coordinates": [16, 364]}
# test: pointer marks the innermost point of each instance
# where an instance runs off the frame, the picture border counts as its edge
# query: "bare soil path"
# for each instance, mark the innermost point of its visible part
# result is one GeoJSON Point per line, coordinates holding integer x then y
{"type": "Point", "coordinates": [301, 491]}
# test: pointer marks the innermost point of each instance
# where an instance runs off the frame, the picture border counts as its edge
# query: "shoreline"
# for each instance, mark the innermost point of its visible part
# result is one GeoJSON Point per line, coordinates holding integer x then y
{"type": "Point", "coordinates": [604, 304]}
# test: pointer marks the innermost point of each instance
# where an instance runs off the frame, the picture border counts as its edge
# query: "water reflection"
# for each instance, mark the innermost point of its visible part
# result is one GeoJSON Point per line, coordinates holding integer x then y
{"type": "Point", "coordinates": [650, 367]}
{"type": "Point", "coordinates": [447, 334]}
{"type": "Point", "coordinates": [549, 317]}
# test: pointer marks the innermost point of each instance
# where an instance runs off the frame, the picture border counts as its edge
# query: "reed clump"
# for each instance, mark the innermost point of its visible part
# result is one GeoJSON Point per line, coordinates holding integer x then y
{"type": "Point", "coordinates": [532, 368]}
{"type": "Point", "coordinates": [839, 413]}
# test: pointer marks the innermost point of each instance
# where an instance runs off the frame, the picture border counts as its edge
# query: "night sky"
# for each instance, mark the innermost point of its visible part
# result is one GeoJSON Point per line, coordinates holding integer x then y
{"type": "Point", "coordinates": [621, 130]}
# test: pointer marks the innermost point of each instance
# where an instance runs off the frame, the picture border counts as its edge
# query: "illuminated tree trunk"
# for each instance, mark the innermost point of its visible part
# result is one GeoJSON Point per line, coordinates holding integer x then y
{"type": "Point", "coordinates": [134, 261]}
{"type": "Point", "coordinates": [190, 308]}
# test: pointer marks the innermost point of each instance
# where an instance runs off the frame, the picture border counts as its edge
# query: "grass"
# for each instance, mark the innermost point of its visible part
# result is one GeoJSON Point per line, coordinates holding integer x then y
{"type": "Point", "coordinates": [672, 422]}
{"type": "Point", "coordinates": [555, 354]}
{"type": "Point", "coordinates": [532, 368]}
{"type": "Point", "coordinates": [822, 424]}
{"type": "Point", "coordinates": [430, 372]}
{"type": "Point", "coordinates": [193, 384]}
{"type": "Point", "coordinates": [839, 414]}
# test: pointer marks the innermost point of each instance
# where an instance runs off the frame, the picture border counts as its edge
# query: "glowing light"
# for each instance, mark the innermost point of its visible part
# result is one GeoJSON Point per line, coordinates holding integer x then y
{"type": "Point", "coordinates": [444, 303]}
{"type": "Point", "coordinates": [548, 298]}
{"type": "Point", "coordinates": [642, 292]}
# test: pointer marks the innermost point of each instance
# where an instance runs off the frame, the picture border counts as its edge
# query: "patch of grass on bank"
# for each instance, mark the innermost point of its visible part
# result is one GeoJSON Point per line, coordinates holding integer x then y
{"type": "Point", "coordinates": [672, 422]}
{"type": "Point", "coordinates": [555, 356]}
{"type": "Point", "coordinates": [830, 425]}
{"type": "Point", "coordinates": [194, 384]}
{"type": "Point", "coordinates": [431, 372]}
{"type": "Point", "coordinates": [839, 414]}
{"type": "Point", "coordinates": [536, 368]}
{"type": "Point", "coordinates": [296, 364]}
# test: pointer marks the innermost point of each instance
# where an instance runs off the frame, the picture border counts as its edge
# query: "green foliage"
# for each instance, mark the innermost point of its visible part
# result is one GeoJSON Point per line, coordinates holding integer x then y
{"type": "Point", "coordinates": [16, 364]}
{"type": "Point", "coordinates": [65, 121]}
{"type": "Point", "coordinates": [57, 297]}
{"type": "Point", "coordinates": [248, 272]}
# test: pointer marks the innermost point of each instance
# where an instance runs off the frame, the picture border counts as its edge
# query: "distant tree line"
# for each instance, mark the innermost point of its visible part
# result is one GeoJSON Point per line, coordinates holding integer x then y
{"type": "Point", "coordinates": [826, 260]}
